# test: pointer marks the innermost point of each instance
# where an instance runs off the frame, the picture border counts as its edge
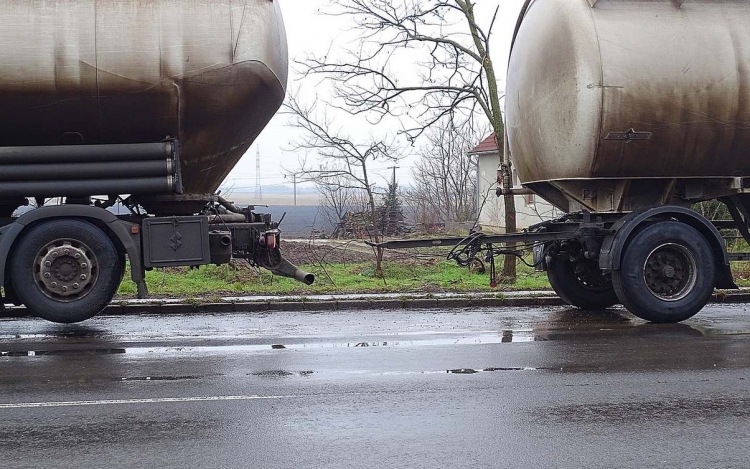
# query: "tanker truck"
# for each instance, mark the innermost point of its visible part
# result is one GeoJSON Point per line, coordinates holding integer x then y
{"type": "Point", "coordinates": [149, 104]}
{"type": "Point", "coordinates": [623, 114]}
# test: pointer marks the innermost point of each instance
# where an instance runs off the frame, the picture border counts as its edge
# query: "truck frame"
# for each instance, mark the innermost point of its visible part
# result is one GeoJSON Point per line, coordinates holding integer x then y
{"type": "Point", "coordinates": [65, 262]}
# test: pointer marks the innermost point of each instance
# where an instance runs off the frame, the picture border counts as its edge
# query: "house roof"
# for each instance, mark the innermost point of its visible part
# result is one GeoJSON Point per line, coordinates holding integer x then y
{"type": "Point", "coordinates": [486, 146]}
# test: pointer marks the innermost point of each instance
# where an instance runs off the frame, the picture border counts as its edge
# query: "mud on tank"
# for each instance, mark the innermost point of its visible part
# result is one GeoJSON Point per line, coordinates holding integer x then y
{"type": "Point", "coordinates": [614, 105]}
{"type": "Point", "coordinates": [208, 73]}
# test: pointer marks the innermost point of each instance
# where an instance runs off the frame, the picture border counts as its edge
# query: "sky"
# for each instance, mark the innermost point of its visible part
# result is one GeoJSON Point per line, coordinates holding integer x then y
{"type": "Point", "coordinates": [310, 31]}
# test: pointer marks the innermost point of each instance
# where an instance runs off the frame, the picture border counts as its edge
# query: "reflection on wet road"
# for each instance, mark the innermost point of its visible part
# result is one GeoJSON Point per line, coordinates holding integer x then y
{"type": "Point", "coordinates": [543, 387]}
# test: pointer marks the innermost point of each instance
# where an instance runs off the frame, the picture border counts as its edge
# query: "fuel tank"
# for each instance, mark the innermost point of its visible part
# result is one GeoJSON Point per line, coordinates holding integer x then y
{"type": "Point", "coordinates": [623, 90]}
{"type": "Point", "coordinates": [211, 73]}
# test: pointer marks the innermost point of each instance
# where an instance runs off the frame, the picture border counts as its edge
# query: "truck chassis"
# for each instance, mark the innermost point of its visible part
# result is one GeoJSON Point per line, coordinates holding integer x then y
{"type": "Point", "coordinates": [65, 262]}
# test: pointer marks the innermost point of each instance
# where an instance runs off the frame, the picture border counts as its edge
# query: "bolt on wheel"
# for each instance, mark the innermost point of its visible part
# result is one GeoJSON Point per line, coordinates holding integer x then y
{"type": "Point", "coordinates": [670, 272]}
{"type": "Point", "coordinates": [66, 270]}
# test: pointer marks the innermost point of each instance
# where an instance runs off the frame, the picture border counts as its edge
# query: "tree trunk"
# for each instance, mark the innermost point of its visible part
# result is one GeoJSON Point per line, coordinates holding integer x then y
{"type": "Point", "coordinates": [509, 266]}
{"type": "Point", "coordinates": [495, 115]}
{"type": "Point", "coordinates": [376, 235]}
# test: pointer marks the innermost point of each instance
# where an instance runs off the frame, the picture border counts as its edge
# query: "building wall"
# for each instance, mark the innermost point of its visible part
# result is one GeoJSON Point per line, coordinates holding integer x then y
{"type": "Point", "coordinates": [530, 210]}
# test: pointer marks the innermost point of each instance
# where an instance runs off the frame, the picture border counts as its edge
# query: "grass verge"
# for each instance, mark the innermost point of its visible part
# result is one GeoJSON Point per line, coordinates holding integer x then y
{"type": "Point", "coordinates": [227, 280]}
{"type": "Point", "coordinates": [212, 282]}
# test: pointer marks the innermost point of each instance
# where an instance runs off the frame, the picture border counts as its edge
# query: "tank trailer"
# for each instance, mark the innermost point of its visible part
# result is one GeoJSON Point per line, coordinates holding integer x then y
{"type": "Point", "coordinates": [623, 114]}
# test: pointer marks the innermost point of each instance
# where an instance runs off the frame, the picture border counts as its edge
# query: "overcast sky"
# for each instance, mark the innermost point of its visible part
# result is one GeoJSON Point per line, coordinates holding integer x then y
{"type": "Point", "coordinates": [310, 31]}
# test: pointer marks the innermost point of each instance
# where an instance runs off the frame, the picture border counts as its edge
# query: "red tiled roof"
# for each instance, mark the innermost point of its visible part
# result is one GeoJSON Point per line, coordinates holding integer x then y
{"type": "Point", "coordinates": [487, 145]}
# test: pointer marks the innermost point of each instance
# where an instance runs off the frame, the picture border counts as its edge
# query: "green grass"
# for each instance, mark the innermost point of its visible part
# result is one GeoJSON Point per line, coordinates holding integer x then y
{"type": "Point", "coordinates": [212, 281]}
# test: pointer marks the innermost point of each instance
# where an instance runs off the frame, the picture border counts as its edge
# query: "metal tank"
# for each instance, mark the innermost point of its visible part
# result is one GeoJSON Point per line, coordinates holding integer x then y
{"type": "Point", "coordinates": [613, 105]}
{"type": "Point", "coordinates": [209, 73]}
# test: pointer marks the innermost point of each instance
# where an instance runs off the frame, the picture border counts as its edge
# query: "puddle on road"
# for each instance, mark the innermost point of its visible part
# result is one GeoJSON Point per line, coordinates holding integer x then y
{"type": "Point", "coordinates": [162, 378]}
{"type": "Point", "coordinates": [281, 373]}
{"type": "Point", "coordinates": [47, 353]}
{"type": "Point", "coordinates": [228, 349]}
{"type": "Point", "coordinates": [471, 371]}
{"type": "Point", "coordinates": [504, 337]}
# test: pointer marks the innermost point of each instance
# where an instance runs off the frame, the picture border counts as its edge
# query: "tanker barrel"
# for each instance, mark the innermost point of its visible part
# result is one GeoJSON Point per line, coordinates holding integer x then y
{"type": "Point", "coordinates": [86, 153]}
{"type": "Point", "coordinates": [87, 187]}
{"type": "Point", "coordinates": [95, 170]}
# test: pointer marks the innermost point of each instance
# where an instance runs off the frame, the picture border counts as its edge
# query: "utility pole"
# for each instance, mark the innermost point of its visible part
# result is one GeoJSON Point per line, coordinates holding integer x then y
{"type": "Point", "coordinates": [394, 168]}
{"type": "Point", "coordinates": [294, 182]}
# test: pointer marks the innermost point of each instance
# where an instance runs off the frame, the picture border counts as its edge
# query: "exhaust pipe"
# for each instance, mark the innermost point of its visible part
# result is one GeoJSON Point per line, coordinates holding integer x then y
{"type": "Point", "coordinates": [289, 270]}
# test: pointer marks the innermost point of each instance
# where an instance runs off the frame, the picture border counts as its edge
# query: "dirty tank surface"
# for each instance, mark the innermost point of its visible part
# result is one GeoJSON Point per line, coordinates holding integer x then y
{"type": "Point", "coordinates": [209, 72]}
{"type": "Point", "coordinates": [616, 90]}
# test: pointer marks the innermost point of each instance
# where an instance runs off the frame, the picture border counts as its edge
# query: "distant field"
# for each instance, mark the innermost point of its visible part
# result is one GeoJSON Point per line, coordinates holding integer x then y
{"type": "Point", "coordinates": [299, 221]}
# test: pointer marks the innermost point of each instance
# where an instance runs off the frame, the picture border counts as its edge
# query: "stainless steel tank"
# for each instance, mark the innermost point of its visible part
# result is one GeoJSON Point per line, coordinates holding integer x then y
{"type": "Point", "coordinates": [616, 104]}
{"type": "Point", "coordinates": [209, 72]}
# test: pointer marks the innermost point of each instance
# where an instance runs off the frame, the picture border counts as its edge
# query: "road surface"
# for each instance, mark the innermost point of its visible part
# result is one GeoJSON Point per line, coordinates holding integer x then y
{"type": "Point", "coordinates": [542, 387]}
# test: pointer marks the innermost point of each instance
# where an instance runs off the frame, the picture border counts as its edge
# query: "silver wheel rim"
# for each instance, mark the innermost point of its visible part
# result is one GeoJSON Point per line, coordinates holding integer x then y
{"type": "Point", "coordinates": [670, 272]}
{"type": "Point", "coordinates": [66, 270]}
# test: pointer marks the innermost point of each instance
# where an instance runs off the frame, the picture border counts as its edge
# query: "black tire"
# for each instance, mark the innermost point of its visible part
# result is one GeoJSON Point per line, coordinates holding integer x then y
{"type": "Point", "coordinates": [581, 284]}
{"type": "Point", "coordinates": [667, 273]}
{"type": "Point", "coordinates": [86, 265]}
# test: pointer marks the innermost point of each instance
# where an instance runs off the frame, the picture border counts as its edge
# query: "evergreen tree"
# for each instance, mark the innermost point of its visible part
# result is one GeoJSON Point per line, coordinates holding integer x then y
{"type": "Point", "coordinates": [392, 213]}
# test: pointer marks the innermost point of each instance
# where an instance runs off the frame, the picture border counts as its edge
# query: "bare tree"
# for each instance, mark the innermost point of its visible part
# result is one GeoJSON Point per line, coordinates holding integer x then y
{"type": "Point", "coordinates": [445, 178]}
{"type": "Point", "coordinates": [344, 161]}
{"type": "Point", "coordinates": [454, 74]}
{"type": "Point", "coordinates": [337, 195]}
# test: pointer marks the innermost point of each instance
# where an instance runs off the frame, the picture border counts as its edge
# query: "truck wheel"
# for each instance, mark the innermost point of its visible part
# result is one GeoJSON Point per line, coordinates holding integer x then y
{"type": "Point", "coordinates": [581, 283]}
{"type": "Point", "coordinates": [65, 271]}
{"type": "Point", "coordinates": [667, 273]}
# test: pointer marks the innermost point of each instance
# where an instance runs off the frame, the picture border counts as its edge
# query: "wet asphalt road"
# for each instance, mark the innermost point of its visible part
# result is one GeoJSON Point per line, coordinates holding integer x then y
{"type": "Point", "coordinates": [545, 387]}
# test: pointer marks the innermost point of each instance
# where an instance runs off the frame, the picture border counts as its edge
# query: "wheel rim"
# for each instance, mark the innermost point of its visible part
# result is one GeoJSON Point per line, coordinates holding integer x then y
{"type": "Point", "coordinates": [670, 272]}
{"type": "Point", "coordinates": [66, 270]}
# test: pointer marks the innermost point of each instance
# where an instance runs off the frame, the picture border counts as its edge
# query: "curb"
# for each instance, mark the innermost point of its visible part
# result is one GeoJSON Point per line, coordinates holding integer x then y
{"type": "Point", "coordinates": [294, 304]}
{"type": "Point", "coordinates": [300, 305]}
{"type": "Point", "coordinates": [333, 305]}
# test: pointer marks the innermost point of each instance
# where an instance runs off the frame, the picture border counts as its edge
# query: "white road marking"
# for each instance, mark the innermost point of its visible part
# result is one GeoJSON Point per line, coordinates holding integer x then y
{"type": "Point", "coordinates": [161, 400]}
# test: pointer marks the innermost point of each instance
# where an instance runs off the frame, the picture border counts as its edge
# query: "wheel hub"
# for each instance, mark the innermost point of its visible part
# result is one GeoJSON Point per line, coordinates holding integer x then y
{"type": "Point", "coordinates": [65, 269]}
{"type": "Point", "coordinates": [670, 272]}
